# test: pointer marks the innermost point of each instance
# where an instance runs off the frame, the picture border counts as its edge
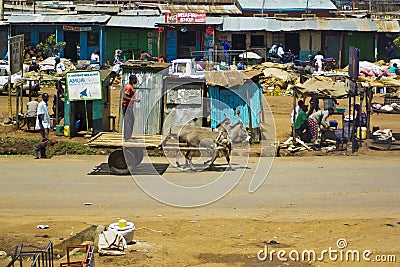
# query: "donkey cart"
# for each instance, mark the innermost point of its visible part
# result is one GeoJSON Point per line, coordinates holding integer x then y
{"type": "Point", "coordinates": [127, 154]}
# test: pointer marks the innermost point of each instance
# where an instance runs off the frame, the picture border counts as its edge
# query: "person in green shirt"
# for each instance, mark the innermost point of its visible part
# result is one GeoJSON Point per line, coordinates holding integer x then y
{"type": "Point", "coordinates": [302, 129]}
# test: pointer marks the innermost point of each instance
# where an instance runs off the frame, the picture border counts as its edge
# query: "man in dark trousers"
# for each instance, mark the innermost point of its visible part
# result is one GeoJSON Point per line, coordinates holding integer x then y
{"type": "Point", "coordinates": [390, 50]}
{"type": "Point", "coordinates": [127, 107]}
{"type": "Point", "coordinates": [43, 124]}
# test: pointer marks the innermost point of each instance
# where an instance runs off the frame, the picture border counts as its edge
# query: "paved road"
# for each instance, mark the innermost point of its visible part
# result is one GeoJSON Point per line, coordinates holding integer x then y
{"type": "Point", "coordinates": [318, 187]}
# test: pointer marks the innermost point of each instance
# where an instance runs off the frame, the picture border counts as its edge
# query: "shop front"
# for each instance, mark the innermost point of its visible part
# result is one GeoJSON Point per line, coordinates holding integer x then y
{"type": "Point", "coordinates": [82, 34]}
{"type": "Point", "coordinates": [189, 35]}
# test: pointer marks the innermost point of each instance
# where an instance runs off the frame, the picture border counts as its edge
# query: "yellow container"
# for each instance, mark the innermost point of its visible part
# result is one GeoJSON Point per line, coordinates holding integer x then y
{"type": "Point", "coordinates": [122, 223]}
{"type": "Point", "coordinates": [363, 132]}
{"type": "Point", "coordinates": [66, 131]}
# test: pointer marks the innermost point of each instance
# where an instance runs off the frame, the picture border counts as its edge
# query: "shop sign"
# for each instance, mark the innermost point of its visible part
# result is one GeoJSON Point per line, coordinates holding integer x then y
{"type": "Point", "coordinates": [185, 17]}
{"type": "Point", "coordinates": [76, 29]}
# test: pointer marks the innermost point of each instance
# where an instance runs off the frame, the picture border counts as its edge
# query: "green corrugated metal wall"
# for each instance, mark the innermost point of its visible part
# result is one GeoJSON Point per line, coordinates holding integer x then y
{"type": "Point", "coordinates": [130, 38]}
{"type": "Point", "coordinates": [363, 41]}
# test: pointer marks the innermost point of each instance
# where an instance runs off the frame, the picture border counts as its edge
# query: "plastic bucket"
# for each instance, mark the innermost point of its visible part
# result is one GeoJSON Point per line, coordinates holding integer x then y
{"type": "Point", "coordinates": [66, 131]}
{"type": "Point", "coordinates": [59, 130]}
{"type": "Point", "coordinates": [127, 232]}
{"type": "Point", "coordinates": [363, 132]}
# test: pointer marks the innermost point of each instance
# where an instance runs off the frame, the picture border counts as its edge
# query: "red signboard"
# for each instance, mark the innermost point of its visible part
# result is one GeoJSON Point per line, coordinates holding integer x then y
{"type": "Point", "coordinates": [185, 17]}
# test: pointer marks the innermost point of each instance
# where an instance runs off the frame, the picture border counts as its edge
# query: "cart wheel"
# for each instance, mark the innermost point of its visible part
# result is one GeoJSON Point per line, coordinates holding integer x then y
{"type": "Point", "coordinates": [117, 164]}
{"type": "Point", "coordinates": [133, 156]}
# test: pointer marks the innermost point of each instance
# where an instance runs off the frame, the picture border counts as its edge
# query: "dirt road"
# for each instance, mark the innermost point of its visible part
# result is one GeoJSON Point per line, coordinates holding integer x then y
{"type": "Point", "coordinates": [305, 204]}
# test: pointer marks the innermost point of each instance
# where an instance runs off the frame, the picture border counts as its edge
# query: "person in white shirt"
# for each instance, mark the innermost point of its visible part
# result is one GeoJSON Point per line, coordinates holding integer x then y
{"type": "Point", "coordinates": [31, 113]}
{"type": "Point", "coordinates": [60, 67]}
{"type": "Point", "coordinates": [281, 52]}
{"type": "Point", "coordinates": [295, 111]}
{"type": "Point", "coordinates": [94, 57]}
{"type": "Point", "coordinates": [318, 61]}
{"type": "Point", "coordinates": [44, 125]}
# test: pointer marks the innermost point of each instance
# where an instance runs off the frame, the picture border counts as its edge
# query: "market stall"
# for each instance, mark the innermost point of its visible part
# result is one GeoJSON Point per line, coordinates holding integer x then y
{"type": "Point", "coordinates": [329, 88]}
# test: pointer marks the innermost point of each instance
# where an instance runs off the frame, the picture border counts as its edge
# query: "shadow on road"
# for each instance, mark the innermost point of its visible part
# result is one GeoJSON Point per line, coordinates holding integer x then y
{"type": "Point", "coordinates": [141, 169]}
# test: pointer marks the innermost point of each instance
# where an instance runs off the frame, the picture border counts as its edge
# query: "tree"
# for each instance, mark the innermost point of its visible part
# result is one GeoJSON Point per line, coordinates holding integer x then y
{"type": "Point", "coordinates": [50, 46]}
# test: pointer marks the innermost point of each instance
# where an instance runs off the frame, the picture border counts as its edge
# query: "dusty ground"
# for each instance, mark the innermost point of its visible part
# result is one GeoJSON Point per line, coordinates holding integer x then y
{"type": "Point", "coordinates": [308, 206]}
{"type": "Point", "coordinates": [218, 236]}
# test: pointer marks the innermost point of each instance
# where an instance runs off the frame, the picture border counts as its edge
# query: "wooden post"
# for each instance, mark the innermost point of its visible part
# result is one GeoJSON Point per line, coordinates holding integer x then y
{"type": "Point", "coordinates": [294, 117]}
{"type": "Point", "coordinates": [17, 107]}
{"type": "Point", "coordinates": [57, 107]}
{"type": "Point", "coordinates": [360, 120]}
{"type": "Point", "coordinates": [249, 111]}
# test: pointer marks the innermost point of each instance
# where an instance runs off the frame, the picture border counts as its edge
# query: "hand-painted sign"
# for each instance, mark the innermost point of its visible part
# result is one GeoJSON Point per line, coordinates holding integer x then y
{"type": "Point", "coordinates": [84, 85]}
{"type": "Point", "coordinates": [16, 44]}
{"type": "Point", "coordinates": [76, 29]}
{"type": "Point", "coordinates": [185, 17]}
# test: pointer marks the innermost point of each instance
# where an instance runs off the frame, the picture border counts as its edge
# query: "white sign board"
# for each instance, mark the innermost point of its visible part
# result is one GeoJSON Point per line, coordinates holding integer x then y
{"type": "Point", "coordinates": [16, 46]}
{"type": "Point", "coordinates": [84, 85]}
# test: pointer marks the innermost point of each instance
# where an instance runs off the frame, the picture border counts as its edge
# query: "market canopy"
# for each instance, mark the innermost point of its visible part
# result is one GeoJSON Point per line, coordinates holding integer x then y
{"type": "Point", "coordinates": [229, 79]}
{"type": "Point", "coordinates": [391, 81]}
{"type": "Point", "coordinates": [323, 87]}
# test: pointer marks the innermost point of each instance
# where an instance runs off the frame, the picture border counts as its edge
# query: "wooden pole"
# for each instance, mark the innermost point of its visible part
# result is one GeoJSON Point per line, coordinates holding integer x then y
{"type": "Point", "coordinates": [57, 107]}
{"type": "Point", "coordinates": [249, 111]}
{"type": "Point", "coordinates": [294, 116]}
{"type": "Point", "coordinates": [87, 119]}
{"type": "Point", "coordinates": [17, 107]}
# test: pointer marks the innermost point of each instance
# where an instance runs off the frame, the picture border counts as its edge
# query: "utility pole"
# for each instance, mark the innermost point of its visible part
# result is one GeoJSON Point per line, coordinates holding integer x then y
{"type": "Point", "coordinates": [262, 8]}
{"type": "Point", "coordinates": [310, 36]}
{"type": "Point", "coordinates": [1, 9]}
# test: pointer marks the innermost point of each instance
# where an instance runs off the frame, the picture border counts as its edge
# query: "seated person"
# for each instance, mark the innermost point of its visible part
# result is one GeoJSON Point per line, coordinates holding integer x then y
{"type": "Point", "coordinates": [146, 56]}
{"type": "Point", "coordinates": [31, 113]}
{"type": "Point", "coordinates": [302, 129]}
{"type": "Point", "coordinates": [394, 69]}
{"type": "Point", "coordinates": [95, 58]}
{"type": "Point", "coordinates": [33, 66]}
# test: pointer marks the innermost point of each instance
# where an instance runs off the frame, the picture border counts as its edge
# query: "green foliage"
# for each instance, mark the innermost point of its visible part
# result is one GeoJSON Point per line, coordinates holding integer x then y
{"type": "Point", "coordinates": [50, 45]}
{"type": "Point", "coordinates": [11, 145]}
{"type": "Point", "coordinates": [396, 41]}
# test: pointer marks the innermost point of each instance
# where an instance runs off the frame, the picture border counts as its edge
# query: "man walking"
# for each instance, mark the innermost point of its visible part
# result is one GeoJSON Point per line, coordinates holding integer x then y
{"type": "Point", "coordinates": [390, 50]}
{"type": "Point", "coordinates": [127, 107]}
{"type": "Point", "coordinates": [43, 124]}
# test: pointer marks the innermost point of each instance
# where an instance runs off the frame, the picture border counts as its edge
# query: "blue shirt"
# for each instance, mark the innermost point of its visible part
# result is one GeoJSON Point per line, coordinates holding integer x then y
{"type": "Point", "coordinates": [226, 45]}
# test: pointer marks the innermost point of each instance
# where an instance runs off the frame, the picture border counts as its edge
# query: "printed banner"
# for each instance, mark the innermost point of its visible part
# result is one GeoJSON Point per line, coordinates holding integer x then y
{"type": "Point", "coordinates": [185, 17]}
{"type": "Point", "coordinates": [84, 85]}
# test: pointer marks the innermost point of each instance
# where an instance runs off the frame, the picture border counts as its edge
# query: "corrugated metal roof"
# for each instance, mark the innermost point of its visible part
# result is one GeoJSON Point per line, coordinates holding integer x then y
{"type": "Point", "coordinates": [292, 5]}
{"type": "Point", "coordinates": [274, 25]}
{"type": "Point", "coordinates": [209, 9]}
{"type": "Point", "coordinates": [97, 8]}
{"type": "Point", "coordinates": [209, 21]}
{"type": "Point", "coordinates": [73, 19]}
{"type": "Point", "coordinates": [135, 21]}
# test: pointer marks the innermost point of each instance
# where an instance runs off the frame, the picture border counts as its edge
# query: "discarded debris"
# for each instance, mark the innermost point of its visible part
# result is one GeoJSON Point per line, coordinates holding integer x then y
{"type": "Point", "coordinates": [42, 226]}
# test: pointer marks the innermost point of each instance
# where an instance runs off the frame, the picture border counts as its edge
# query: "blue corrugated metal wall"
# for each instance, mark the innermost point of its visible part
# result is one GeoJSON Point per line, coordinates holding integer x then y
{"type": "Point", "coordinates": [172, 44]}
{"type": "Point", "coordinates": [228, 101]}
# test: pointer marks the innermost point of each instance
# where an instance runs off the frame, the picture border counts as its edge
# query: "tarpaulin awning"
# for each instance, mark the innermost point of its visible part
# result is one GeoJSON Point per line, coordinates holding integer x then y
{"type": "Point", "coordinates": [391, 81]}
{"type": "Point", "coordinates": [229, 79]}
{"type": "Point", "coordinates": [324, 87]}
